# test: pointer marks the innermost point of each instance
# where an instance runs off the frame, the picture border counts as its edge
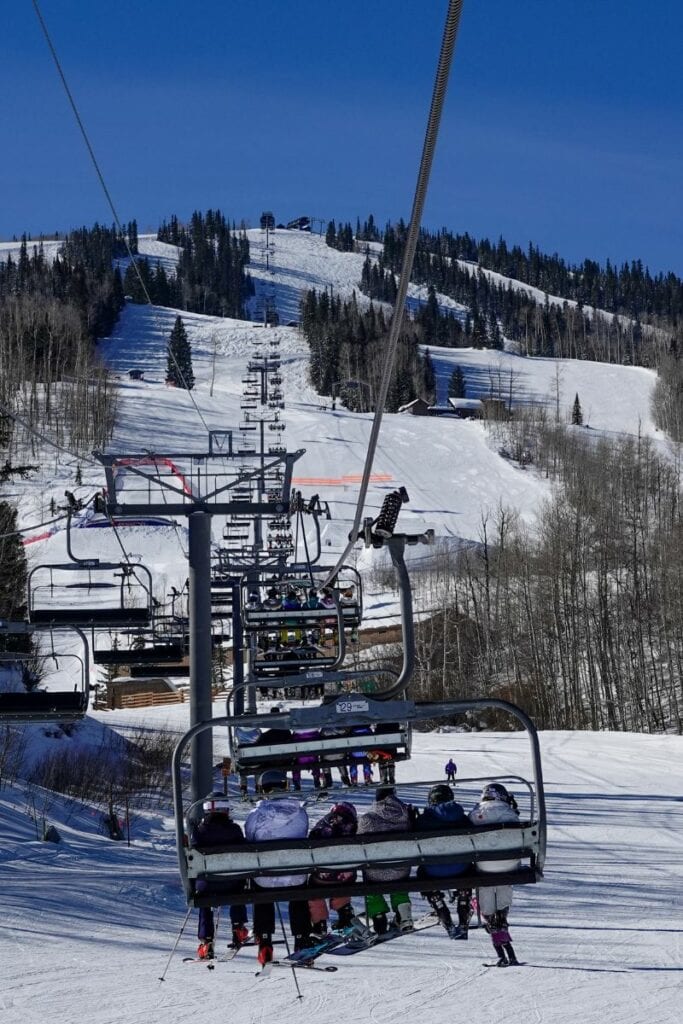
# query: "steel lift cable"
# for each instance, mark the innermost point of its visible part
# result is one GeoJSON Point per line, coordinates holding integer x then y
{"type": "Point", "coordinates": [107, 193]}
{"type": "Point", "coordinates": [429, 146]}
{"type": "Point", "coordinates": [82, 460]}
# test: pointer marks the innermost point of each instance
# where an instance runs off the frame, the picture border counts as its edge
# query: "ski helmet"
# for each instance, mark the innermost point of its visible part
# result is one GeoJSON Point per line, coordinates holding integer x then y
{"type": "Point", "coordinates": [272, 779]}
{"type": "Point", "coordinates": [440, 794]}
{"type": "Point", "coordinates": [217, 802]}
{"type": "Point", "coordinates": [344, 812]}
{"type": "Point", "coordinates": [496, 791]}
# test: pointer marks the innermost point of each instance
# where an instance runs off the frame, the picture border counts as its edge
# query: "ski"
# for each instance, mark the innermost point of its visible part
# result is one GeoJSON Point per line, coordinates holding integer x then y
{"type": "Point", "coordinates": [327, 943]}
{"type": "Point", "coordinates": [222, 958]}
{"type": "Point", "coordinates": [352, 946]}
{"type": "Point", "coordinates": [517, 963]}
{"type": "Point", "coordinates": [265, 971]}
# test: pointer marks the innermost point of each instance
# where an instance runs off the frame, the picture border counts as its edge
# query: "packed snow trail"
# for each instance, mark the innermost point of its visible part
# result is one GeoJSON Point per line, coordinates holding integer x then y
{"type": "Point", "coordinates": [87, 925]}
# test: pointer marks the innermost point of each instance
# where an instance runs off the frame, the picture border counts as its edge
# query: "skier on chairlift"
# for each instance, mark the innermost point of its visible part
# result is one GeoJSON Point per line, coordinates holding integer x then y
{"type": "Point", "coordinates": [278, 816]}
{"type": "Point", "coordinates": [495, 806]}
{"type": "Point", "coordinates": [341, 820]}
{"type": "Point", "coordinates": [216, 828]}
{"type": "Point", "coordinates": [387, 814]}
{"type": "Point", "coordinates": [442, 811]}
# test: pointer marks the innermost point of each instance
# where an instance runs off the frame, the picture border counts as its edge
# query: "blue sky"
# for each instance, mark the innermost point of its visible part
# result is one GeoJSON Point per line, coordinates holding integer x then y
{"type": "Point", "coordinates": [563, 124]}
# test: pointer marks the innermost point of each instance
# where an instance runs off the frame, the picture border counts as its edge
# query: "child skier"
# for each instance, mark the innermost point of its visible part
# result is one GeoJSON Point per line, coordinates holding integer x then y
{"type": "Point", "coordinates": [496, 805]}
{"type": "Point", "coordinates": [278, 817]}
{"type": "Point", "coordinates": [387, 814]}
{"type": "Point", "coordinates": [216, 828]}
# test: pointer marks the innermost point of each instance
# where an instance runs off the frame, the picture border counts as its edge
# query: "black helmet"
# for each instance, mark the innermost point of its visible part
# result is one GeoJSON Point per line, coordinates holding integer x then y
{"type": "Point", "coordinates": [272, 779]}
{"type": "Point", "coordinates": [439, 794]}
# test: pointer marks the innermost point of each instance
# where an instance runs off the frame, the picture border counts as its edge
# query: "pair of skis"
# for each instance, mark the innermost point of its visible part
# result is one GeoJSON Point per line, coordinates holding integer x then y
{"type": "Point", "coordinates": [357, 945]}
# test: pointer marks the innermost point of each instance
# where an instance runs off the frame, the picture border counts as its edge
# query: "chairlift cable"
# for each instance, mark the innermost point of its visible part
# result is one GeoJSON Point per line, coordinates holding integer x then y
{"type": "Point", "coordinates": [109, 199]}
{"type": "Point", "coordinates": [176, 527]}
{"type": "Point", "coordinates": [35, 526]}
{"type": "Point", "coordinates": [81, 460]}
{"type": "Point", "coordinates": [305, 542]}
{"type": "Point", "coordinates": [429, 146]}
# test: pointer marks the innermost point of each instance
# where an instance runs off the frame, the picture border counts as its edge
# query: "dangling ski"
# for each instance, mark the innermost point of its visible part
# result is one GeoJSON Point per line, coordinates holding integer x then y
{"type": "Point", "coordinates": [358, 944]}
{"type": "Point", "coordinates": [267, 969]}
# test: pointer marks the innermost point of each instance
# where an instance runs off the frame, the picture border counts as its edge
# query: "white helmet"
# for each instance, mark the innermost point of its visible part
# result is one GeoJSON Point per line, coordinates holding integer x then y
{"type": "Point", "coordinates": [217, 802]}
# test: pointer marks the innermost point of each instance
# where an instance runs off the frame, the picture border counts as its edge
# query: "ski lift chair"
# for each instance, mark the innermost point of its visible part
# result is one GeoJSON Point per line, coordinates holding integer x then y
{"type": "Point", "coordinates": [54, 589]}
{"type": "Point", "coordinates": [331, 744]}
{"type": "Point", "coordinates": [38, 705]}
{"type": "Point", "coordinates": [218, 867]}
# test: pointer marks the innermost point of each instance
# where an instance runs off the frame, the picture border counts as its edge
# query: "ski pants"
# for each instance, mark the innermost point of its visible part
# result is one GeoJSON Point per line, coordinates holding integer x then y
{"type": "Point", "coordinates": [318, 907]}
{"type": "Point", "coordinates": [205, 927]}
{"type": "Point", "coordinates": [436, 900]}
{"type": "Point", "coordinates": [377, 904]}
{"type": "Point", "coordinates": [494, 898]}
{"type": "Point", "coordinates": [264, 918]}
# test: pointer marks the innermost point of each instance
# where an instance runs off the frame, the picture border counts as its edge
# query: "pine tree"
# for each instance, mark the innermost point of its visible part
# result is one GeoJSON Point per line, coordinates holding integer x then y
{"type": "Point", "coordinates": [428, 376]}
{"type": "Point", "coordinates": [13, 577]}
{"type": "Point", "coordinates": [456, 385]}
{"type": "Point", "coordinates": [179, 370]}
{"type": "Point", "coordinates": [577, 414]}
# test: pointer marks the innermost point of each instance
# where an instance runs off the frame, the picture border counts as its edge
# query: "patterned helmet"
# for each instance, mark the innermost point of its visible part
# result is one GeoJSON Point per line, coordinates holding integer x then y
{"type": "Point", "coordinates": [440, 794]}
{"type": "Point", "coordinates": [496, 791]}
{"type": "Point", "coordinates": [344, 812]}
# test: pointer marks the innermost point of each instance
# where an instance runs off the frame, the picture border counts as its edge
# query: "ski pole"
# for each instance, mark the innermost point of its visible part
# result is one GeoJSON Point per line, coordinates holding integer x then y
{"type": "Point", "coordinates": [284, 935]}
{"type": "Point", "coordinates": [175, 944]}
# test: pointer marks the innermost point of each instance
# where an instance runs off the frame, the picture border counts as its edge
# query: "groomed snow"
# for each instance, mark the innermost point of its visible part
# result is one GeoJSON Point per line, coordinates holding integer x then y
{"type": "Point", "coordinates": [88, 925]}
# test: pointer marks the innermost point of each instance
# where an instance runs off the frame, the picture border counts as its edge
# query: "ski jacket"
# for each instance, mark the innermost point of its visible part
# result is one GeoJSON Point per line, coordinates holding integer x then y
{"type": "Point", "coordinates": [442, 816]}
{"type": "Point", "coordinates": [491, 812]}
{"type": "Point", "coordinates": [331, 828]}
{"type": "Point", "coordinates": [277, 819]}
{"type": "Point", "coordinates": [450, 767]}
{"type": "Point", "coordinates": [389, 815]}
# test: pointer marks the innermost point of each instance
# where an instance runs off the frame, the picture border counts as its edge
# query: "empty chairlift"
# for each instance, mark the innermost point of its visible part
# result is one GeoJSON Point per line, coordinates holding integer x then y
{"type": "Point", "coordinates": [90, 593]}
{"type": "Point", "coordinates": [26, 698]}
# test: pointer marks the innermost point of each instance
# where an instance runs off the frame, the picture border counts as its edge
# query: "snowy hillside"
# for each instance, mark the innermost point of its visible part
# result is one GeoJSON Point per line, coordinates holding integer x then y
{"type": "Point", "coordinates": [87, 926]}
{"type": "Point", "coordinates": [450, 467]}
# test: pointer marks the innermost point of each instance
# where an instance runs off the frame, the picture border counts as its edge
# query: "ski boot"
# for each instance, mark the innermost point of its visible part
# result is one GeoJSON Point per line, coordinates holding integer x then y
{"type": "Point", "coordinates": [240, 935]}
{"type": "Point", "coordinates": [503, 947]}
{"type": "Point", "coordinates": [205, 950]}
{"type": "Point", "coordinates": [380, 924]}
{"type": "Point", "coordinates": [265, 950]}
{"type": "Point", "coordinates": [404, 918]}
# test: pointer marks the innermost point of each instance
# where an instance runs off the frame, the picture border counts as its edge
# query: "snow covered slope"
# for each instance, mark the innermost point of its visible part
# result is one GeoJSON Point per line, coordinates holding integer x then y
{"type": "Point", "coordinates": [87, 926]}
{"type": "Point", "coordinates": [450, 467]}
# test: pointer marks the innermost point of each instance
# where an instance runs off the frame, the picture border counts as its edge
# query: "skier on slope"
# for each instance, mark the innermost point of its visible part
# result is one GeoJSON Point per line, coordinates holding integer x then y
{"type": "Point", "coordinates": [450, 768]}
{"type": "Point", "coordinates": [496, 805]}
{"type": "Point", "coordinates": [278, 816]}
{"type": "Point", "coordinates": [216, 828]}
{"type": "Point", "coordinates": [442, 811]}
{"type": "Point", "coordinates": [387, 814]}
